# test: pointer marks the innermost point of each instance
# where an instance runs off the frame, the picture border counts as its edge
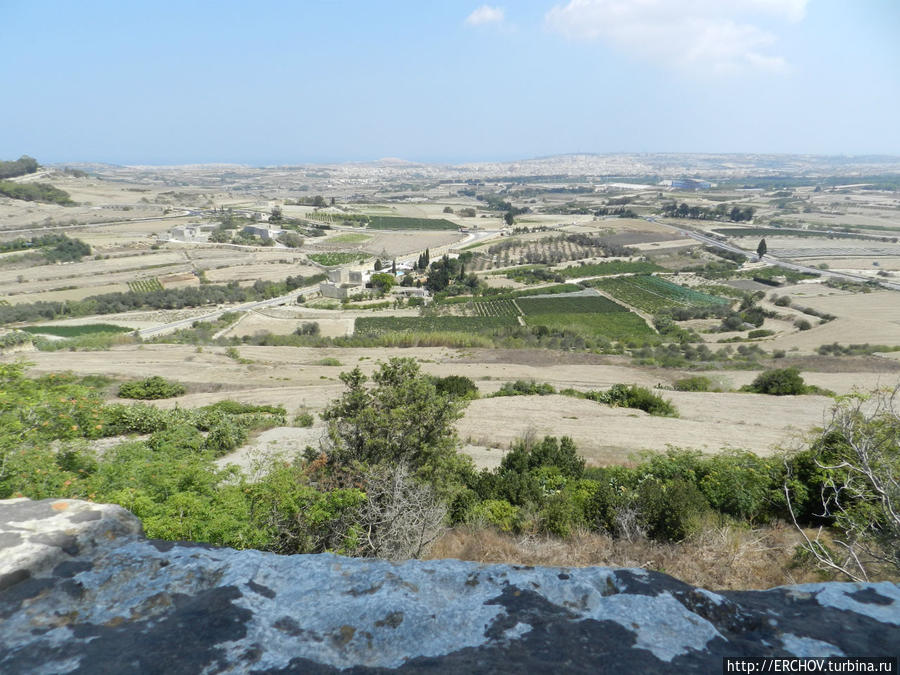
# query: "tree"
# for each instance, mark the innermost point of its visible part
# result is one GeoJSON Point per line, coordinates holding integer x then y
{"type": "Point", "coordinates": [377, 266]}
{"type": "Point", "coordinates": [318, 201]}
{"type": "Point", "coordinates": [448, 209]}
{"type": "Point", "coordinates": [762, 248]}
{"type": "Point", "coordinates": [382, 281]}
{"type": "Point", "coordinates": [857, 457]}
{"type": "Point", "coordinates": [509, 218]}
{"type": "Point", "coordinates": [394, 267]}
{"type": "Point", "coordinates": [401, 418]}
{"type": "Point", "coordinates": [276, 216]}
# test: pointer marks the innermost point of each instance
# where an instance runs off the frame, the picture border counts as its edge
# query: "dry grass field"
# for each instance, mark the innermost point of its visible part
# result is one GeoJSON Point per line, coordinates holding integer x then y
{"type": "Point", "coordinates": [296, 378]}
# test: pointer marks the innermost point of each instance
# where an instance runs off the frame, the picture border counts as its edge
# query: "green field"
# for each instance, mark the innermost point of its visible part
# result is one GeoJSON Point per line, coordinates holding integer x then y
{"type": "Point", "coordinates": [581, 304]}
{"type": "Point", "coordinates": [607, 268]}
{"type": "Point", "coordinates": [401, 223]}
{"type": "Point", "coordinates": [651, 294]}
{"type": "Point", "coordinates": [588, 315]}
{"type": "Point", "coordinates": [546, 290]}
{"type": "Point", "coordinates": [76, 331]}
{"type": "Point", "coordinates": [380, 325]}
{"type": "Point", "coordinates": [336, 258]}
{"type": "Point", "coordinates": [145, 285]}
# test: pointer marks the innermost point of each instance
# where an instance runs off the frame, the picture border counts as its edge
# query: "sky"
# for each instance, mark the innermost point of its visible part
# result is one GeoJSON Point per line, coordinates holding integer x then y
{"type": "Point", "coordinates": [291, 82]}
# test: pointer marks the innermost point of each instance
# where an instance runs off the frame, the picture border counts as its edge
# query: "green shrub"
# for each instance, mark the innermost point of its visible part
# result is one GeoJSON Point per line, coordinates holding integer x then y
{"type": "Point", "coordinates": [458, 386]}
{"type": "Point", "coordinates": [670, 511]}
{"type": "Point", "coordinates": [740, 485]}
{"type": "Point", "coordinates": [226, 436]}
{"type": "Point", "coordinates": [560, 515]}
{"type": "Point", "coordinates": [151, 388]}
{"type": "Point", "coordinates": [778, 382]}
{"type": "Point", "coordinates": [634, 396]}
{"type": "Point", "coordinates": [303, 419]}
{"type": "Point", "coordinates": [329, 361]}
{"type": "Point", "coordinates": [760, 333]}
{"type": "Point", "coordinates": [525, 388]}
{"type": "Point", "coordinates": [696, 383]}
{"type": "Point", "coordinates": [497, 512]}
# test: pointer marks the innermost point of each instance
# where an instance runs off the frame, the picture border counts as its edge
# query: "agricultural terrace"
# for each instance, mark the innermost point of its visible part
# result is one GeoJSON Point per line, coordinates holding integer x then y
{"type": "Point", "coordinates": [145, 285]}
{"type": "Point", "coordinates": [589, 315]}
{"type": "Point", "coordinates": [651, 294]}
{"type": "Point", "coordinates": [377, 326]}
{"type": "Point", "coordinates": [336, 258]}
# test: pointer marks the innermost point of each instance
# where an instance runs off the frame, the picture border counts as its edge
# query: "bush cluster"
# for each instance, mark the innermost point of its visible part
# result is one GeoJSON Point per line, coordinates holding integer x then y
{"type": "Point", "coordinates": [154, 387]}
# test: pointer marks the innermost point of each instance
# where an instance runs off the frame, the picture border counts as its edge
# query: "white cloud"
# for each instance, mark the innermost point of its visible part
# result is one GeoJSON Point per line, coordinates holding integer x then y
{"type": "Point", "coordinates": [486, 14]}
{"type": "Point", "coordinates": [720, 36]}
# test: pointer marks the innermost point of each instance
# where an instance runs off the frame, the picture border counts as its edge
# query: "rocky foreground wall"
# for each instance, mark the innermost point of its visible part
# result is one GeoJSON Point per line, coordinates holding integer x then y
{"type": "Point", "coordinates": [82, 591]}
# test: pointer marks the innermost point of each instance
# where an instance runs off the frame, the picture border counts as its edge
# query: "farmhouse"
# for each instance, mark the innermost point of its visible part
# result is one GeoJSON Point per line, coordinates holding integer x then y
{"type": "Point", "coordinates": [263, 231]}
{"type": "Point", "coordinates": [342, 284]}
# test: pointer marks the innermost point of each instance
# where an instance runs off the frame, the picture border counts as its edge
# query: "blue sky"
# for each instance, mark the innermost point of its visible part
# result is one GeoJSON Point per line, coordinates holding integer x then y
{"type": "Point", "coordinates": [272, 82]}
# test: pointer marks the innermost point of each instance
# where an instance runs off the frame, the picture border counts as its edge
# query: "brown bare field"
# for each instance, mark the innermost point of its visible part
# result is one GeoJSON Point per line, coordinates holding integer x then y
{"type": "Point", "coordinates": [604, 435]}
{"type": "Point", "coordinates": [862, 317]}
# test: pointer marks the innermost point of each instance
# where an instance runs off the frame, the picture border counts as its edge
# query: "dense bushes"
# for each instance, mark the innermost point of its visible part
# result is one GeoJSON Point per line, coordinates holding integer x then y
{"type": "Point", "coordinates": [542, 486]}
{"type": "Point", "coordinates": [457, 386]}
{"type": "Point", "coordinates": [20, 167]}
{"type": "Point", "coordinates": [54, 247]}
{"type": "Point", "coordinates": [634, 396]}
{"type": "Point", "coordinates": [35, 192]}
{"type": "Point", "coordinates": [782, 382]}
{"type": "Point", "coordinates": [151, 388]}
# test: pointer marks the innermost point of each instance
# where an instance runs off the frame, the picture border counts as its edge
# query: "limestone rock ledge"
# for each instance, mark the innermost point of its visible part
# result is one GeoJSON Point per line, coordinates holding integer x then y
{"type": "Point", "coordinates": [82, 591]}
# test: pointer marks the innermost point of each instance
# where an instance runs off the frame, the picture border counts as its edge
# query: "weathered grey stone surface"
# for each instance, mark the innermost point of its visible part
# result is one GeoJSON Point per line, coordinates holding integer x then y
{"type": "Point", "coordinates": [81, 591]}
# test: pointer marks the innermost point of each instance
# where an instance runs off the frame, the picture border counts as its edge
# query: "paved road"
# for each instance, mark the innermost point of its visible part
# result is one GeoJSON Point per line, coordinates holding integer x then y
{"type": "Point", "coordinates": [712, 241]}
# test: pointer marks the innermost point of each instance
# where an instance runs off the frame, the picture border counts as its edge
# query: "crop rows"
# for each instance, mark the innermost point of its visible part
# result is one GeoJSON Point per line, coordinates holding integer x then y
{"type": "Point", "coordinates": [651, 294]}
{"type": "Point", "coordinates": [496, 308]}
{"type": "Point", "coordinates": [569, 305]}
{"type": "Point", "coordinates": [401, 223]}
{"type": "Point", "coordinates": [376, 326]}
{"type": "Point", "coordinates": [145, 285]}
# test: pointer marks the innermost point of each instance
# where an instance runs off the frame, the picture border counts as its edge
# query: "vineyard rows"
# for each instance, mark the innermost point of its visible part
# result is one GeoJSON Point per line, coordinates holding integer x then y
{"type": "Point", "coordinates": [145, 285]}
{"type": "Point", "coordinates": [496, 308]}
{"type": "Point", "coordinates": [651, 294]}
{"type": "Point", "coordinates": [379, 325]}
{"type": "Point", "coordinates": [576, 305]}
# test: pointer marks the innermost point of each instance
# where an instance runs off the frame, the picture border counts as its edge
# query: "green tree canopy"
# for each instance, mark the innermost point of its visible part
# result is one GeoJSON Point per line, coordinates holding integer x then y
{"type": "Point", "coordinates": [400, 418]}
